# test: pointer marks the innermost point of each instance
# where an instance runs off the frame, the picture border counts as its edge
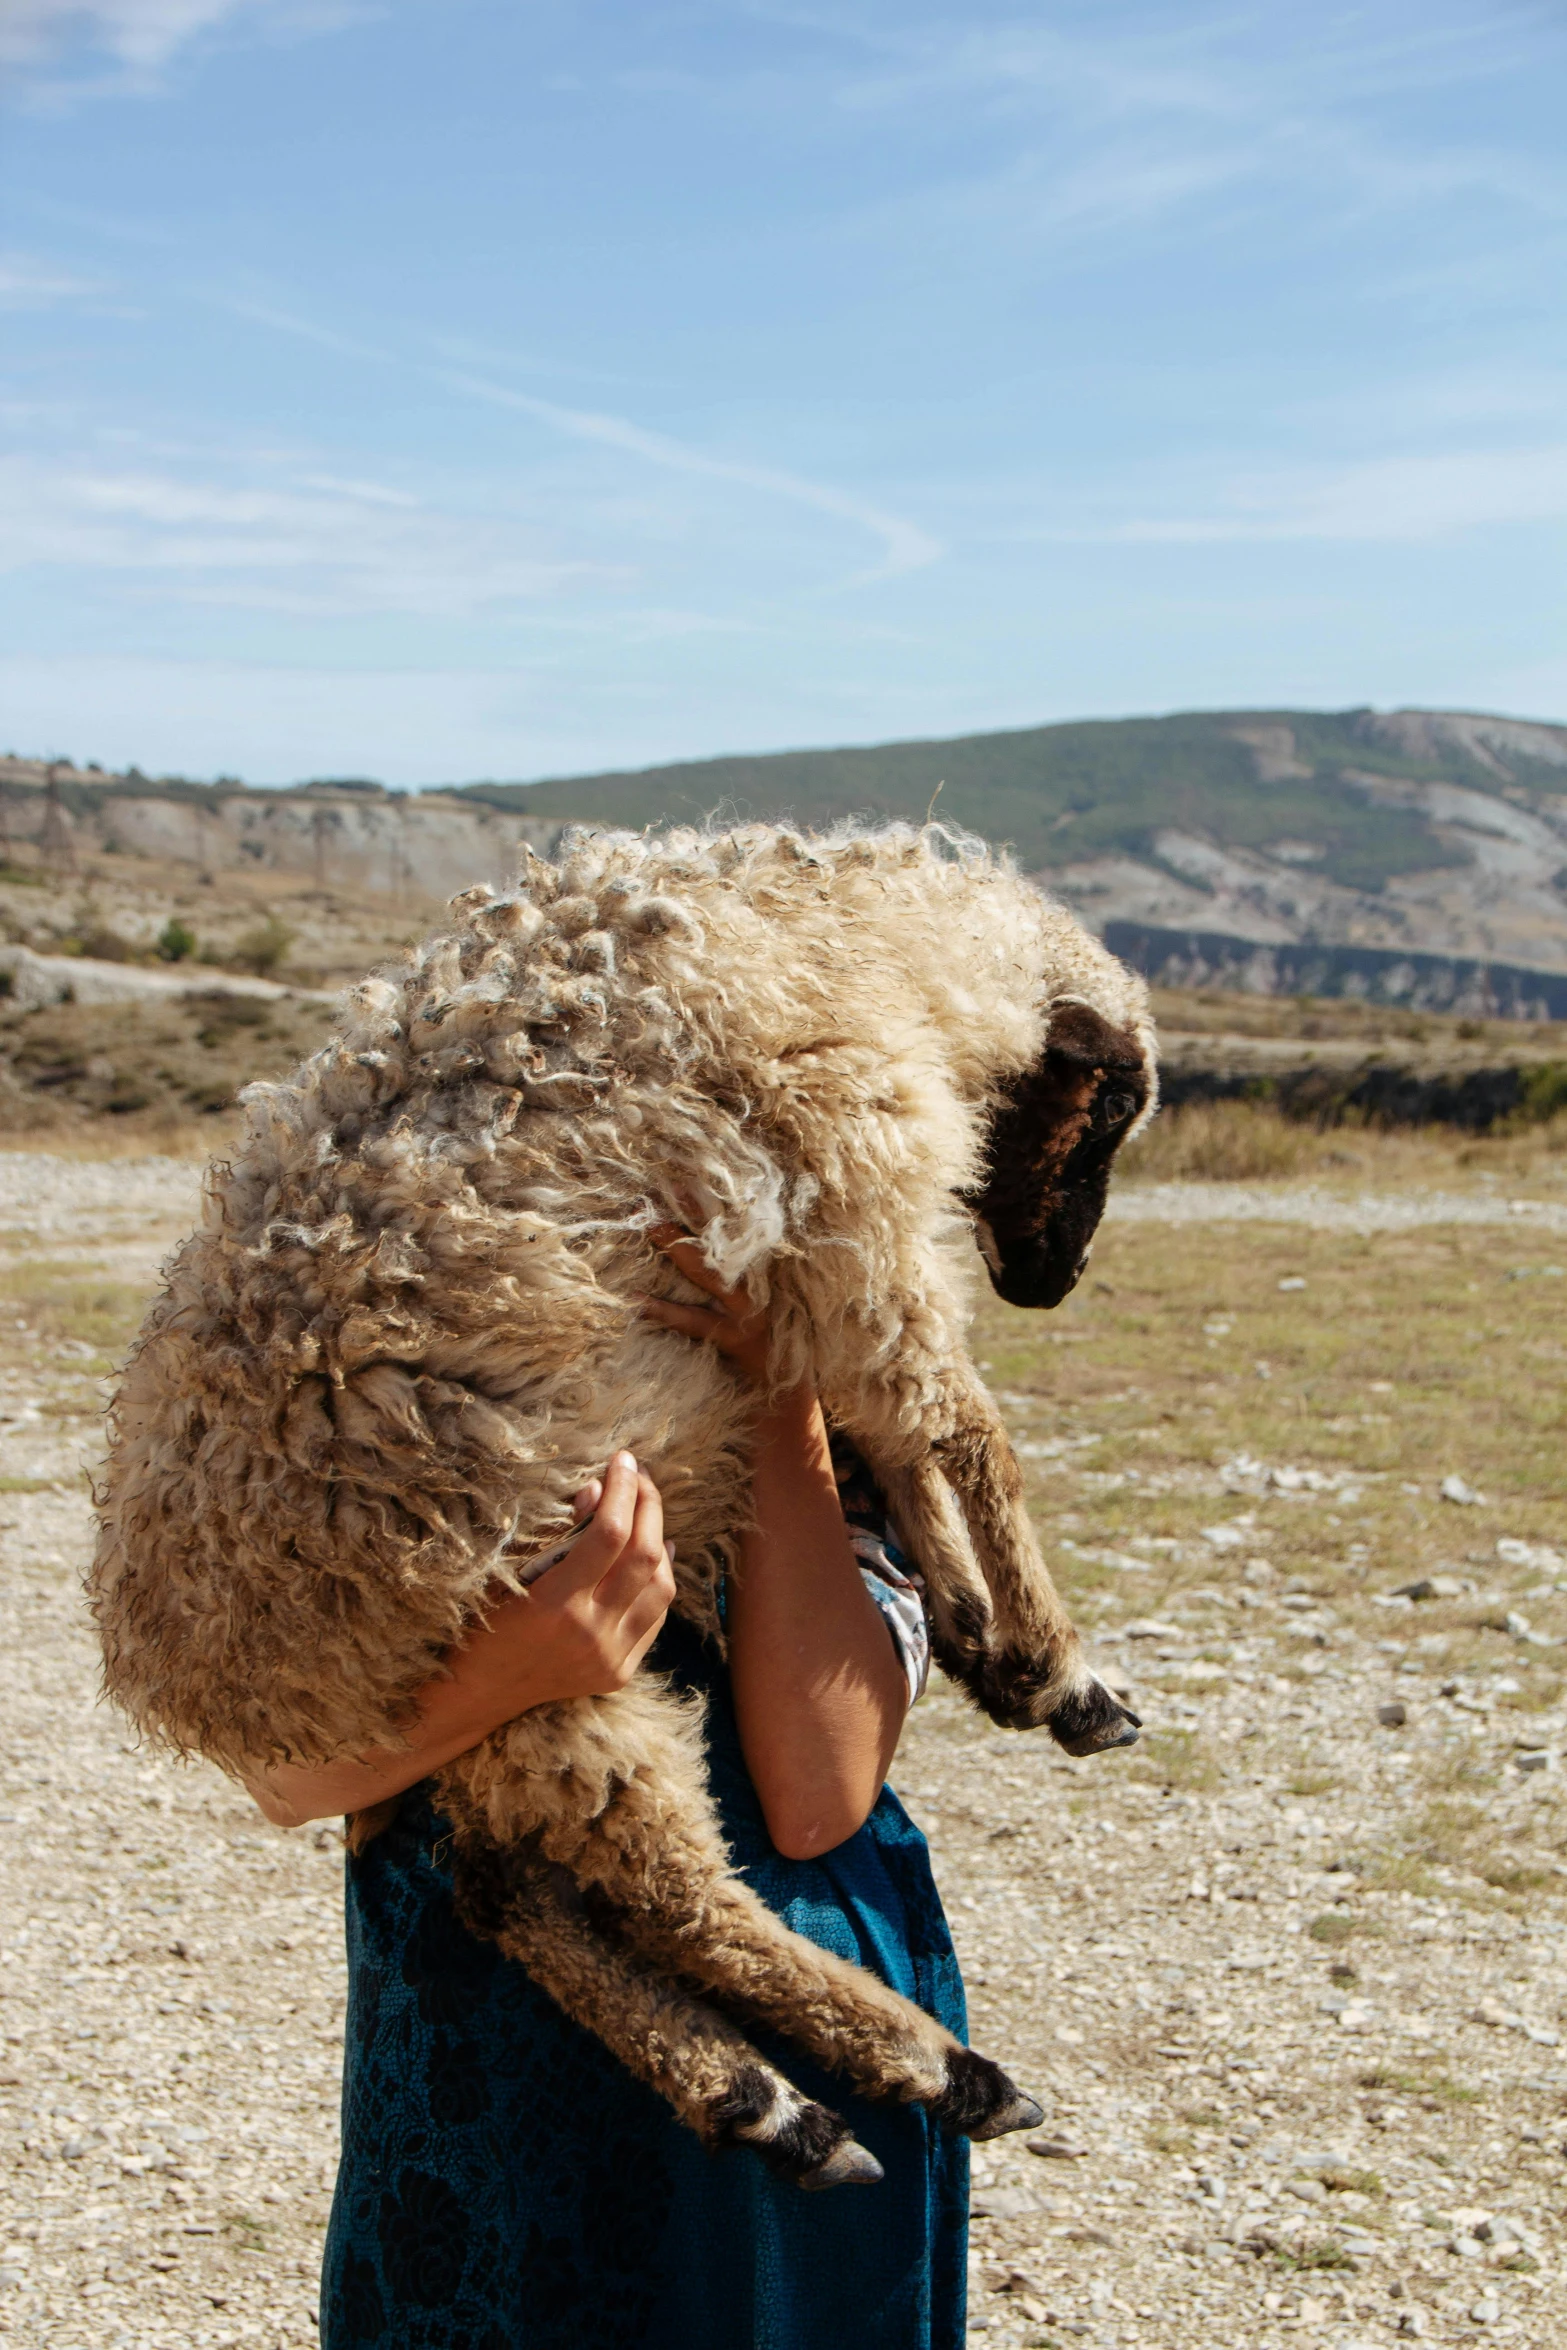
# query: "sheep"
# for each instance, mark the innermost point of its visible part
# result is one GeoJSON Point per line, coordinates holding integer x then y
{"type": "Point", "coordinates": [407, 1331]}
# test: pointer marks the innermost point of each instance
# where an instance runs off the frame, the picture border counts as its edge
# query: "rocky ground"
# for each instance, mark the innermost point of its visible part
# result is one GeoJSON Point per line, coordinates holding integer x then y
{"type": "Point", "coordinates": [1289, 1978]}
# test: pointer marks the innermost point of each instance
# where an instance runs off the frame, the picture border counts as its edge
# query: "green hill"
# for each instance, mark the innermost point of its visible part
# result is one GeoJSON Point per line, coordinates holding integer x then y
{"type": "Point", "coordinates": [1063, 794]}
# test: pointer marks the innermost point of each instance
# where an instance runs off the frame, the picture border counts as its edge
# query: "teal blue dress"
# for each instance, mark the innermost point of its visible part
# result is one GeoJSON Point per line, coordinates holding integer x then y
{"type": "Point", "coordinates": [506, 2185]}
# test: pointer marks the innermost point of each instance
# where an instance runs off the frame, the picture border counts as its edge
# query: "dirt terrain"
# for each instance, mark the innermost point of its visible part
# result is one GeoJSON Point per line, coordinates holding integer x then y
{"type": "Point", "coordinates": [1289, 1977]}
{"type": "Point", "coordinates": [140, 987]}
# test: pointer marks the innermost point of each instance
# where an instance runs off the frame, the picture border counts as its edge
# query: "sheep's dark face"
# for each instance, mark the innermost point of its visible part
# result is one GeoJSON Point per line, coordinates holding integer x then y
{"type": "Point", "coordinates": [1056, 1132]}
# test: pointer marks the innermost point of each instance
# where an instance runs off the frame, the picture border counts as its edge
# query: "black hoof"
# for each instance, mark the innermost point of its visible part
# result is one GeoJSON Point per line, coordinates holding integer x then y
{"type": "Point", "coordinates": [1021, 2114]}
{"type": "Point", "coordinates": [801, 2141]}
{"type": "Point", "coordinates": [1092, 1721]}
{"type": "Point", "coordinates": [981, 2101]}
{"type": "Point", "coordinates": [1011, 1688]}
{"type": "Point", "coordinates": [849, 2166]}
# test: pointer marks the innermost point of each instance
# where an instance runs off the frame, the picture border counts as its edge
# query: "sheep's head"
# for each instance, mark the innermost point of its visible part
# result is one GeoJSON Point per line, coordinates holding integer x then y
{"type": "Point", "coordinates": [1056, 1131]}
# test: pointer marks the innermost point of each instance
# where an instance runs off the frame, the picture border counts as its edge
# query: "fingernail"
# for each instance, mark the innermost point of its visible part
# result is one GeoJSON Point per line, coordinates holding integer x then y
{"type": "Point", "coordinates": [626, 1460]}
{"type": "Point", "coordinates": [669, 1552]}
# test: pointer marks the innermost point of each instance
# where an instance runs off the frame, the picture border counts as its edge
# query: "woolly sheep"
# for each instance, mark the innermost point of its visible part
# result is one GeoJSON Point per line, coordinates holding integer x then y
{"type": "Point", "coordinates": [407, 1331]}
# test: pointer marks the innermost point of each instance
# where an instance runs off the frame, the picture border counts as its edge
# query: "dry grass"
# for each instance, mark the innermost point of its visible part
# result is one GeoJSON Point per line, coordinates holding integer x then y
{"type": "Point", "coordinates": [68, 1303]}
{"type": "Point", "coordinates": [1334, 1928]}
{"type": "Point", "coordinates": [1313, 1019]}
{"type": "Point", "coordinates": [145, 1077]}
{"type": "Point", "coordinates": [1176, 1759]}
{"type": "Point", "coordinates": [99, 1142]}
{"type": "Point", "coordinates": [1247, 1142]}
{"type": "Point", "coordinates": [1341, 2179]}
{"type": "Point", "coordinates": [117, 906]}
{"type": "Point", "coordinates": [1457, 1770]}
{"type": "Point", "coordinates": [1405, 1357]}
{"type": "Point", "coordinates": [1436, 2086]}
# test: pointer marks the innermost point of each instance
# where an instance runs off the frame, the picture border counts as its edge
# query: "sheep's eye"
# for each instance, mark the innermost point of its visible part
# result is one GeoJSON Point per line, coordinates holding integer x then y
{"type": "Point", "coordinates": [1116, 1108]}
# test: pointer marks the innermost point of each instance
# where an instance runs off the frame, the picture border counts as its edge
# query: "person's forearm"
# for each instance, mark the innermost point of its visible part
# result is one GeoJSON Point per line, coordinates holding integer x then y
{"type": "Point", "coordinates": [819, 1690]}
{"type": "Point", "coordinates": [446, 1723]}
{"type": "Point", "coordinates": [580, 1630]}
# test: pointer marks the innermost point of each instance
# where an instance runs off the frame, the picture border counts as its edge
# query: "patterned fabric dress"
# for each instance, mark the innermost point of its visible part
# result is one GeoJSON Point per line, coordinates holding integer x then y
{"type": "Point", "coordinates": [506, 2184]}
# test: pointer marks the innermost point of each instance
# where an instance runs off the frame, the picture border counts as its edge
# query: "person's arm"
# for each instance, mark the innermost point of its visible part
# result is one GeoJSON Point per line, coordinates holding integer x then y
{"type": "Point", "coordinates": [820, 1691]}
{"type": "Point", "coordinates": [580, 1631]}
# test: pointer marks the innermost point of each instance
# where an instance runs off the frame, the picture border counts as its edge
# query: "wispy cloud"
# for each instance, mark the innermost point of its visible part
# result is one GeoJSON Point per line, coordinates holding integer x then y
{"type": "Point", "coordinates": [135, 40]}
{"type": "Point", "coordinates": [282, 541]}
{"type": "Point", "coordinates": [905, 546]}
{"type": "Point", "coordinates": [29, 284]}
{"type": "Point", "coordinates": [305, 330]}
{"type": "Point", "coordinates": [292, 531]}
{"type": "Point", "coordinates": [1098, 128]}
{"type": "Point", "coordinates": [1403, 500]}
{"type": "Point", "coordinates": [618, 341]}
{"type": "Point", "coordinates": [140, 34]}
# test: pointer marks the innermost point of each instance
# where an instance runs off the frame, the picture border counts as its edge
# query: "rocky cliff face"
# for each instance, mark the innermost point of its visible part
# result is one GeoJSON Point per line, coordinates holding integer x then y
{"type": "Point", "coordinates": [1415, 855]}
{"type": "Point", "coordinates": [1498, 896]}
{"type": "Point", "coordinates": [398, 845]}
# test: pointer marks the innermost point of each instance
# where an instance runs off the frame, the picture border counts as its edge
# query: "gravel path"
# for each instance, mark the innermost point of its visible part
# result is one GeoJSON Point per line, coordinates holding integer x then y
{"type": "Point", "coordinates": [1291, 2102]}
{"type": "Point", "coordinates": [1324, 1210]}
{"type": "Point", "coordinates": [51, 1195]}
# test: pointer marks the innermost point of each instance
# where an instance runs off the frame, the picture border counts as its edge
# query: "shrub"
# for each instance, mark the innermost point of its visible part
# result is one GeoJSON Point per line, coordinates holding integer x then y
{"type": "Point", "coordinates": [1222, 1142]}
{"type": "Point", "coordinates": [100, 942]}
{"type": "Point", "coordinates": [264, 948]}
{"type": "Point", "coordinates": [1340, 2179]}
{"type": "Point", "coordinates": [176, 941]}
{"type": "Point", "coordinates": [1544, 1091]}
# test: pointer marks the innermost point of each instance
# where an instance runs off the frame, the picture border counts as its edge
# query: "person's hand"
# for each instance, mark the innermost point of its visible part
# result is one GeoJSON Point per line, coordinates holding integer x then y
{"type": "Point", "coordinates": [732, 1323]}
{"type": "Point", "coordinates": [584, 1627]}
{"type": "Point", "coordinates": [580, 1631]}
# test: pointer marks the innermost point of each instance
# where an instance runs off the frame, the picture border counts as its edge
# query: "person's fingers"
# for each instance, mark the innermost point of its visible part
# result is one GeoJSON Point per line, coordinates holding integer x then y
{"type": "Point", "coordinates": [649, 1606]}
{"type": "Point", "coordinates": [642, 1555]}
{"type": "Point", "coordinates": [587, 1497]}
{"type": "Point", "coordinates": [686, 1256]}
{"type": "Point", "coordinates": [634, 1655]}
{"type": "Point", "coordinates": [601, 1544]}
{"type": "Point", "coordinates": [640, 1623]}
{"type": "Point", "coordinates": [692, 1321]}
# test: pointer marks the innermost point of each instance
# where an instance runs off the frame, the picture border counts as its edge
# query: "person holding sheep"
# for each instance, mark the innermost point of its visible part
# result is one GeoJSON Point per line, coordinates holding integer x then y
{"type": "Point", "coordinates": [802, 1732]}
{"type": "Point", "coordinates": [632, 1915]}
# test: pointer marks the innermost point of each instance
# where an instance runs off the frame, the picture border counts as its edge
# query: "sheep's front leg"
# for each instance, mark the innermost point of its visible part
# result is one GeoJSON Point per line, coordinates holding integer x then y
{"type": "Point", "coordinates": [718, 2084]}
{"type": "Point", "coordinates": [1032, 1670]}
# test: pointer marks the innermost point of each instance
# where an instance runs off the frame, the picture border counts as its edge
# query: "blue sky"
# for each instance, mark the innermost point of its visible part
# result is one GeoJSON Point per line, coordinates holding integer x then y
{"type": "Point", "coordinates": [442, 388]}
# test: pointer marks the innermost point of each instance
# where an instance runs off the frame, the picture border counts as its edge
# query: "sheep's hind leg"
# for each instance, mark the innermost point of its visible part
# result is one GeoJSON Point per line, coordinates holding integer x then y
{"type": "Point", "coordinates": [691, 1914]}
{"type": "Point", "coordinates": [717, 2083]}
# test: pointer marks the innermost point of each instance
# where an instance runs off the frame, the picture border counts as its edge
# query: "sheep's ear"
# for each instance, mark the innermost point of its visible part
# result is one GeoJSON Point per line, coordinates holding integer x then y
{"type": "Point", "coordinates": [1081, 1047]}
{"type": "Point", "coordinates": [1079, 1034]}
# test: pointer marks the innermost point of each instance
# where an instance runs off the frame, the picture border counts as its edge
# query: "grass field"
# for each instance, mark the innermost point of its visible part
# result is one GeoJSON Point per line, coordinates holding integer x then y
{"type": "Point", "coordinates": [1327, 1383]}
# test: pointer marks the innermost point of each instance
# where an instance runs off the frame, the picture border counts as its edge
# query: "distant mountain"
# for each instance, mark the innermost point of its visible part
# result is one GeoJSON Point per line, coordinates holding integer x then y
{"type": "Point", "coordinates": [1416, 855]}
